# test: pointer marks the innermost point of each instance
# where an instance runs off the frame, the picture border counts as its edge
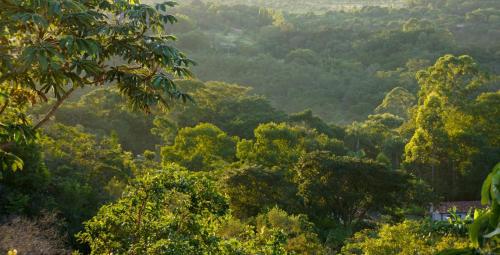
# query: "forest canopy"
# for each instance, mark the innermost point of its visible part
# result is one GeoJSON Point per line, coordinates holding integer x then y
{"type": "Point", "coordinates": [249, 127]}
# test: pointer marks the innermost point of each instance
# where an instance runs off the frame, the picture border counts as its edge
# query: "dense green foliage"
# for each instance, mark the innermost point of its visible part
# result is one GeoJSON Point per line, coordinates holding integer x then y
{"type": "Point", "coordinates": [340, 64]}
{"type": "Point", "coordinates": [174, 212]}
{"type": "Point", "coordinates": [408, 237]}
{"type": "Point", "coordinates": [312, 5]}
{"type": "Point", "coordinates": [336, 187]}
{"type": "Point", "coordinates": [97, 155]}
{"type": "Point", "coordinates": [281, 145]}
{"type": "Point", "coordinates": [52, 48]}
{"type": "Point", "coordinates": [165, 213]}
{"type": "Point", "coordinates": [204, 147]}
{"type": "Point", "coordinates": [449, 137]}
{"type": "Point", "coordinates": [484, 232]}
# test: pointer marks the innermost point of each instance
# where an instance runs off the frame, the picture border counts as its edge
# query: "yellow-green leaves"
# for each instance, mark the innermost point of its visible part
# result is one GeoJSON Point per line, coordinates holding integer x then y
{"type": "Point", "coordinates": [484, 232]}
{"type": "Point", "coordinates": [281, 145]}
{"type": "Point", "coordinates": [166, 212]}
{"type": "Point", "coordinates": [453, 137]}
{"type": "Point", "coordinates": [203, 147]}
{"type": "Point", "coordinates": [490, 192]}
{"type": "Point", "coordinates": [10, 161]}
{"type": "Point", "coordinates": [408, 237]}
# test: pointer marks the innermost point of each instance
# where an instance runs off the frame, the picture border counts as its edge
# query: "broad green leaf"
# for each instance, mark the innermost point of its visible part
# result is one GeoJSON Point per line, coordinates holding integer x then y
{"type": "Point", "coordinates": [485, 190]}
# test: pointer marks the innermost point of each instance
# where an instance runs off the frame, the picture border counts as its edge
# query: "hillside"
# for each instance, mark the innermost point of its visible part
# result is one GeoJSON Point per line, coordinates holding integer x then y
{"type": "Point", "coordinates": [339, 64]}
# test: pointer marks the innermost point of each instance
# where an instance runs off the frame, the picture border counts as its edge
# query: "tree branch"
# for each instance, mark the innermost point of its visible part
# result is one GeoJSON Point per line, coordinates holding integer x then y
{"type": "Point", "coordinates": [141, 211]}
{"type": "Point", "coordinates": [4, 106]}
{"type": "Point", "coordinates": [54, 108]}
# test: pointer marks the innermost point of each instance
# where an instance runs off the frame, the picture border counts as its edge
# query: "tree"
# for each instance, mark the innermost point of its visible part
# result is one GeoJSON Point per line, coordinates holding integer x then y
{"type": "Point", "coordinates": [302, 57]}
{"type": "Point", "coordinates": [417, 25]}
{"type": "Point", "coordinates": [296, 233]}
{"type": "Point", "coordinates": [84, 172]}
{"type": "Point", "coordinates": [281, 145]}
{"type": "Point", "coordinates": [67, 171]}
{"type": "Point", "coordinates": [430, 144]}
{"type": "Point", "coordinates": [102, 111]}
{"type": "Point", "coordinates": [203, 147]}
{"type": "Point", "coordinates": [486, 111]}
{"type": "Point", "coordinates": [408, 237]}
{"type": "Point", "coordinates": [52, 48]}
{"type": "Point", "coordinates": [451, 139]}
{"type": "Point", "coordinates": [171, 211]}
{"type": "Point", "coordinates": [310, 121]}
{"type": "Point", "coordinates": [14, 126]}
{"type": "Point", "coordinates": [25, 192]}
{"type": "Point", "coordinates": [253, 189]}
{"type": "Point", "coordinates": [336, 186]}
{"type": "Point", "coordinates": [378, 134]}
{"type": "Point", "coordinates": [230, 107]}
{"type": "Point", "coordinates": [301, 238]}
{"type": "Point", "coordinates": [398, 101]}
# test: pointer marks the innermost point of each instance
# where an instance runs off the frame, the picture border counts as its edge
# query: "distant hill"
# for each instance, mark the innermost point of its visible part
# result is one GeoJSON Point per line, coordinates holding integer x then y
{"type": "Point", "coordinates": [339, 63]}
{"type": "Point", "coordinates": [301, 6]}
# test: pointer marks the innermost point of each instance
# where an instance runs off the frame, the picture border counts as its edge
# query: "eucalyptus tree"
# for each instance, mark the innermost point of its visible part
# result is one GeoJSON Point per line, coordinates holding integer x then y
{"type": "Point", "coordinates": [50, 48]}
{"type": "Point", "coordinates": [453, 145]}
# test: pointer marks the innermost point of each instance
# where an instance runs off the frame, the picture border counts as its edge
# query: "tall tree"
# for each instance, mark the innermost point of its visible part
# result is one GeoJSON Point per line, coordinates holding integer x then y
{"type": "Point", "coordinates": [451, 125]}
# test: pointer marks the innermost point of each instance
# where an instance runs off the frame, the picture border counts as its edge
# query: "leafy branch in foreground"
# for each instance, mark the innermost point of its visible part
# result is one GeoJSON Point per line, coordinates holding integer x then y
{"type": "Point", "coordinates": [50, 48]}
{"type": "Point", "coordinates": [484, 232]}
